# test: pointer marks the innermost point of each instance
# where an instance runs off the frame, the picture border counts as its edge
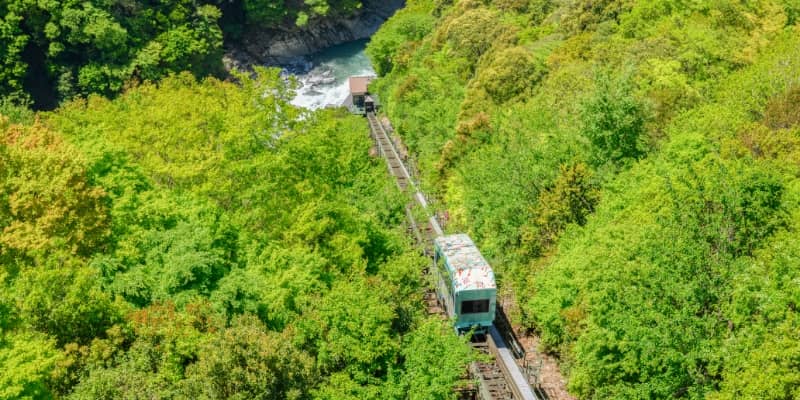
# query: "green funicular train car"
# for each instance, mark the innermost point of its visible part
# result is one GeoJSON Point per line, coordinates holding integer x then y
{"type": "Point", "coordinates": [465, 283]}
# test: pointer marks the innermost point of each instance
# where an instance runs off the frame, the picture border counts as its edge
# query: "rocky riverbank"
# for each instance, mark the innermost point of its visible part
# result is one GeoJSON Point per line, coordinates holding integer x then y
{"type": "Point", "coordinates": [288, 46]}
{"type": "Point", "coordinates": [322, 79]}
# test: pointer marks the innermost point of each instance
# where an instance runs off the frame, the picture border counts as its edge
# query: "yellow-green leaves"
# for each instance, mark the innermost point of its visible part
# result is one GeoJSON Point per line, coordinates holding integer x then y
{"type": "Point", "coordinates": [27, 359]}
{"type": "Point", "coordinates": [48, 201]}
{"type": "Point", "coordinates": [471, 34]}
{"type": "Point", "coordinates": [636, 211]}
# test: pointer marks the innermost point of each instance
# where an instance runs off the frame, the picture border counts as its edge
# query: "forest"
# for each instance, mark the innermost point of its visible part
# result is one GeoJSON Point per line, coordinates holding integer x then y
{"type": "Point", "coordinates": [200, 239]}
{"type": "Point", "coordinates": [630, 168]}
{"type": "Point", "coordinates": [172, 230]}
{"type": "Point", "coordinates": [52, 51]}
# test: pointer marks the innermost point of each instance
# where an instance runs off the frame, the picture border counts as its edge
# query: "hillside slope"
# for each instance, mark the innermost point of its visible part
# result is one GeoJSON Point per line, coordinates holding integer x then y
{"type": "Point", "coordinates": [630, 168]}
{"type": "Point", "coordinates": [197, 240]}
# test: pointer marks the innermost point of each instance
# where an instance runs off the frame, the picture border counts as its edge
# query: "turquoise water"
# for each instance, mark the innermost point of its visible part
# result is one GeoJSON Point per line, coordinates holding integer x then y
{"type": "Point", "coordinates": [326, 82]}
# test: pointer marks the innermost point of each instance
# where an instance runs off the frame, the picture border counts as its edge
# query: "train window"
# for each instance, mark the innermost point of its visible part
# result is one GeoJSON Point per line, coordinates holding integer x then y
{"type": "Point", "coordinates": [475, 306]}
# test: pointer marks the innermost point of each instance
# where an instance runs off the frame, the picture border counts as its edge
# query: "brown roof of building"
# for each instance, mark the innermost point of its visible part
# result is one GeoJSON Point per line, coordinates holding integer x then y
{"type": "Point", "coordinates": [358, 84]}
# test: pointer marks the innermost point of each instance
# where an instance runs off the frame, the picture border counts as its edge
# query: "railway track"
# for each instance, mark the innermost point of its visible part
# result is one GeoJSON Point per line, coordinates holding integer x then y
{"type": "Point", "coordinates": [501, 377]}
{"type": "Point", "coordinates": [387, 151]}
{"type": "Point", "coordinates": [492, 380]}
{"type": "Point", "coordinates": [398, 169]}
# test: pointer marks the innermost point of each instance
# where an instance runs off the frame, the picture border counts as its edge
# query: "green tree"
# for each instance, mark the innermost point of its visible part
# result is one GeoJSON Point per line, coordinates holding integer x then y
{"type": "Point", "coordinates": [571, 200]}
{"type": "Point", "coordinates": [614, 121]}
{"type": "Point", "coordinates": [245, 361]}
{"type": "Point", "coordinates": [398, 33]}
{"type": "Point", "coordinates": [64, 301]}
{"type": "Point", "coordinates": [350, 331]}
{"type": "Point", "coordinates": [435, 361]}
{"type": "Point", "coordinates": [47, 202]}
{"type": "Point", "coordinates": [12, 43]}
{"type": "Point", "coordinates": [27, 359]}
{"type": "Point", "coordinates": [95, 47]}
{"type": "Point", "coordinates": [472, 33]}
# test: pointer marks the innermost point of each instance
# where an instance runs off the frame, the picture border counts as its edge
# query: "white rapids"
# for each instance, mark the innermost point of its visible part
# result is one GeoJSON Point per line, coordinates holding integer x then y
{"type": "Point", "coordinates": [322, 78]}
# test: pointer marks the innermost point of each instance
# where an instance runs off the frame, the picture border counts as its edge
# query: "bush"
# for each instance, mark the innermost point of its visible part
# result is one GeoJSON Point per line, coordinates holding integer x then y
{"type": "Point", "coordinates": [783, 112]}
{"type": "Point", "coordinates": [472, 33]}
{"type": "Point", "coordinates": [511, 72]}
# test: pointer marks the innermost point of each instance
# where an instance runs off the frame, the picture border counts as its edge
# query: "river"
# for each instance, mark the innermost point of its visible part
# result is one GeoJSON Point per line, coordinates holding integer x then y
{"type": "Point", "coordinates": [323, 76]}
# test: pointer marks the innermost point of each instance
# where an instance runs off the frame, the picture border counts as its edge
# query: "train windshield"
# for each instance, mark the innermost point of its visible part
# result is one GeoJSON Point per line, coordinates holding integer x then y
{"type": "Point", "coordinates": [474, 306]}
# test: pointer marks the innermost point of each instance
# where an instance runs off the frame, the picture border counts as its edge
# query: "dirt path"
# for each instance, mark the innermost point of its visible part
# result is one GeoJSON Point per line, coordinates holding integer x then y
{"type": "Point", "coordinates": [551, 383]}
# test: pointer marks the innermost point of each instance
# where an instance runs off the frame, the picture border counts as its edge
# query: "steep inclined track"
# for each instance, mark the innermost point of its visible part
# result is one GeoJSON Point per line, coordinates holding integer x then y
{"type": "Point", "coordinates": [501, 377]}
{"type": "Point", "coordinates": [396, 167]}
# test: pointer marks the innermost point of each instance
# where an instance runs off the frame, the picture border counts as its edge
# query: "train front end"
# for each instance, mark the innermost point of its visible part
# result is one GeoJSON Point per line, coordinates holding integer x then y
{"type": "Point", "coordinates": [465, 283]}
{"type": "Point", "coordinates": [475, 309]}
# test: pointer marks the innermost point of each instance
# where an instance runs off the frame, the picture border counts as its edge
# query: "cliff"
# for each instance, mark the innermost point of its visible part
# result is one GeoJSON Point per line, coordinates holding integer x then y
{"type": "Point", "coordinates": [285, 45]}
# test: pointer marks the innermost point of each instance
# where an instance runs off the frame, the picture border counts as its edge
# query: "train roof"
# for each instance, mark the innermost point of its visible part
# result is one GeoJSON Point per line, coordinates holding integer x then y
{"type": "Point", "coordinates": [469, 269]}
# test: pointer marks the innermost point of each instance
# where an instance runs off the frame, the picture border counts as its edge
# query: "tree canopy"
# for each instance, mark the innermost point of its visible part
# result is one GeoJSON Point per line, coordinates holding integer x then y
{"type": "Point", "coordinates": [52, 51]}
{"type": "Point", "coordinates": [629, 169]}
{"type": "Point", "coordinates": [202, 239]}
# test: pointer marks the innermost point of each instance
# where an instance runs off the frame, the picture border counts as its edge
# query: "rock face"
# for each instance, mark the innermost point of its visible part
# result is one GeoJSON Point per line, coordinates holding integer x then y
{"type": "Point", "coordinates": [285, 46]}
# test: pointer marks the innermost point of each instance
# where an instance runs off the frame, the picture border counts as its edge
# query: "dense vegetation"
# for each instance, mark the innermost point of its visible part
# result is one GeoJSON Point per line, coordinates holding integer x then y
{"type": "Point", "coordinates": [199, 239]}
{"type": "Point", "coordinates": [629, 167]}
{"type": "Point", "coordinates": [54, 50]}
{"type": "Point", "coordinates": [631, 170]}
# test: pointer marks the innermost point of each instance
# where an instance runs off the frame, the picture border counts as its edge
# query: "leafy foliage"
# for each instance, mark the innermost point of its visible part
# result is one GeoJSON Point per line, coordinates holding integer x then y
{"type": "Point", "coordinates": [94, 47]}
{"type": "Point", "coordinates": [51, 51]}
{"type": "Point", "coordinates": [614, 122]}
{"type": "Point", "coordinates": [426, 351]}
{"type": "Point", "coordinates": [27, 360]}
{"type": "Point", "coordinates": [48, 200]}
{"type": "Point", "coordinates": [276, 12]}
{"type": "Point", "coordinates": [204, 239]}
{"type": "Point", "coordinates": [400, 35]}
{"type": "Point", "coordinates": [630, 169]}
{"type": "Point", "coordinates": [246, 362]}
